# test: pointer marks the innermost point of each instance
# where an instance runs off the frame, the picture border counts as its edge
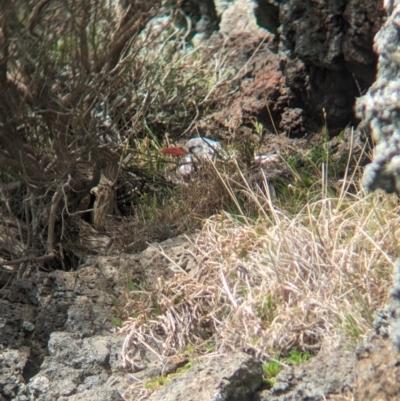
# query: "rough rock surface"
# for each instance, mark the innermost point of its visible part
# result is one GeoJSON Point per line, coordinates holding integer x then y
{"type": "Point", "coordinates": [58, 323]}
{"type": "Point", "coordinates": [78, 365]}
{"type": "Point", "coordinates": [379, 108]}
{"type": "Point", "coordinates": [13, 364]}
{"type": "Point", "coordinates": [303, 63]}
{"type": "Point", "coordinates": [56, 336]}
{"type": "Point", "coordinates": [394, 309]}
{"type": "Point", "coordinates": [328, 53]}
{"type": "Point", "coordinates": [56, 339]}
{"type": "Point", "coordinates": [377, 372]}
{"type": "Point", "coordinates": [328, 374]}
{"type": "Point", "coordinates": [226, 378]}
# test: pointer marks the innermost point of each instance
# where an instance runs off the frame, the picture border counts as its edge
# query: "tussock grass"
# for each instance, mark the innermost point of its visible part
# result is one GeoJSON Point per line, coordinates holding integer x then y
{"type": "Point", "coordinates": [278, 282]}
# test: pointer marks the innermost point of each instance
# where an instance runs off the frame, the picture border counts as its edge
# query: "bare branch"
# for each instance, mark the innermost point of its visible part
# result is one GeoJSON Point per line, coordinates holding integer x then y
{"type": "Point", "coordinates": [83, 37]}
{"type": "Point", "coordinates": [35, 15]}
{"type": "Point", "coordinates": [25, 259]}
{"type": "Point", "coordinates": [132, 23]}
{"type": "Point", "coordinates": [52, 219]}
{"type": "Point", "coordinates": [3, 57]}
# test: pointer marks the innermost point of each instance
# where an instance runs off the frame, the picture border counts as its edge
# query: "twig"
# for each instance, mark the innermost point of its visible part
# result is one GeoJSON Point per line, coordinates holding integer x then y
{"type": "Point", "coordinates": [35, 15]}
{"type": "Point", "coordinates": [25, 259]}
{"type": "Point", "coordinates": [52, 220]}
{"type": "Point", "coordinates": [227, 290]}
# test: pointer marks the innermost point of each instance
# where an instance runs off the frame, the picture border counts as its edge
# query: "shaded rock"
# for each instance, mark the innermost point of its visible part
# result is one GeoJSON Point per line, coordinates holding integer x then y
{"type": "Point", "coordinates": [362, 19]}
{"type": "Point", "coordinates": [325, 375]}
{"type": "Point", "coordinates": [394, 308]}
{"type": "Point", "coordinates": [313, 31]}
{"type": "Point", "coordinates": [332, 34]}
{"type": "Point", "coordinates": [327, 56]}
{"type": "Point", "coordinates": [16, 322]}
{"type": "Point", "coordinates": [267, 14]}
{"type": "Point", "coordinates": [13, 362]}
{"type": "Point", "coordinates": [293, 121]}
{"type": "Point", "coordinates": [230, 377]}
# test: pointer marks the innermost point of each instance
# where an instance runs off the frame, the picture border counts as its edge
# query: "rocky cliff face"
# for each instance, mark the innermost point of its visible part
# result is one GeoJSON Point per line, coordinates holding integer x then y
{"type": "Point", "coordinates": [327, 56]}
{"type": "Point", "coordinates": [379, 109]}
{"type": "Point", "coordinates": [322, 50]}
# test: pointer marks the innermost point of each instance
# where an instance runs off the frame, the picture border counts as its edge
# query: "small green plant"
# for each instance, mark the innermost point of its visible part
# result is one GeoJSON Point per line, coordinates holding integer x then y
{"type": "Point", "coordinates": [131, 284]}
{"type": "Point", "coordinates": [156, 306]}
{"type": "Point", "coordinates": [297, 357]}
{"type": "Point", "coordinates": [155, 383]}
{"type": "Point", "coordinates": [116, 321]}
{"type": "Point", "coordinates": [271, 370]}
{"type": "Point", "coordinates": [258, 126]}
{"type": "Point", "coordinates": [189, 350]}
{"type": "Point", "coordinates": [243, 253]}
{"type": "Point", "coordinates": [117, 306]}
{"type": "Point", "coordinates": [183, 369]}
{"type": "Point", "coordinates": [351, 327]}
{"type": "Point", "coordinates": [209, 347]}
{"type": "Point", "coordinates": [266, 312]}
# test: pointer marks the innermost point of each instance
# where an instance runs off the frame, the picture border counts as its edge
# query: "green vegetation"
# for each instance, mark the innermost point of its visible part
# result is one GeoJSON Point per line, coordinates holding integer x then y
{"type": "Point", "coordinates": [274, 367]}
{"type": "Point", "coordinates": [271, 370]}
{"type": "Point", "coordinates": [160, 381]}
{"type": "Point", "coordinates": [156, 382]}
{"type": "Point", "coordinates": [116, 322]}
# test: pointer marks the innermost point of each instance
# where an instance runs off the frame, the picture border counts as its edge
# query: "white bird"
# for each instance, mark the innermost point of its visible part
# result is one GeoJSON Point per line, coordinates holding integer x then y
{"type": "Point", "coordinates": [192, 152]}
{"type": "Point", "coordinates": [197, 149]}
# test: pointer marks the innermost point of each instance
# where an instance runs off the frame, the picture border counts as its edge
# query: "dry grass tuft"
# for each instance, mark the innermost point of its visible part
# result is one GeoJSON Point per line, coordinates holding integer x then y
{"type": "Point", "coordinates": [307, 281]}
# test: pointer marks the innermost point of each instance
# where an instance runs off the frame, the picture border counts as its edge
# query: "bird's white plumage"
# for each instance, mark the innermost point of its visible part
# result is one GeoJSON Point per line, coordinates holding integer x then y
{"type": "Point", "coordinates": [197, 148]}
{"type": "Point", "coordinates": [202, 147]}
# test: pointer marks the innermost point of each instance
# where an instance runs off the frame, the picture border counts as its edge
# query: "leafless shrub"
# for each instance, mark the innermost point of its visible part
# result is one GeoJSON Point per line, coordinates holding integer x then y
{"type": "Point", "coordinates": [89, 89]}
{"type": "Point", "coordinates": [62, 67]}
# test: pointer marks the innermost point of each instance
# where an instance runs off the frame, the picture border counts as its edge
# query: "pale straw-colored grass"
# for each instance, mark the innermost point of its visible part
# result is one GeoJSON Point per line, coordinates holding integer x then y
{"type": "Point", "coordinates": [307, 281]}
